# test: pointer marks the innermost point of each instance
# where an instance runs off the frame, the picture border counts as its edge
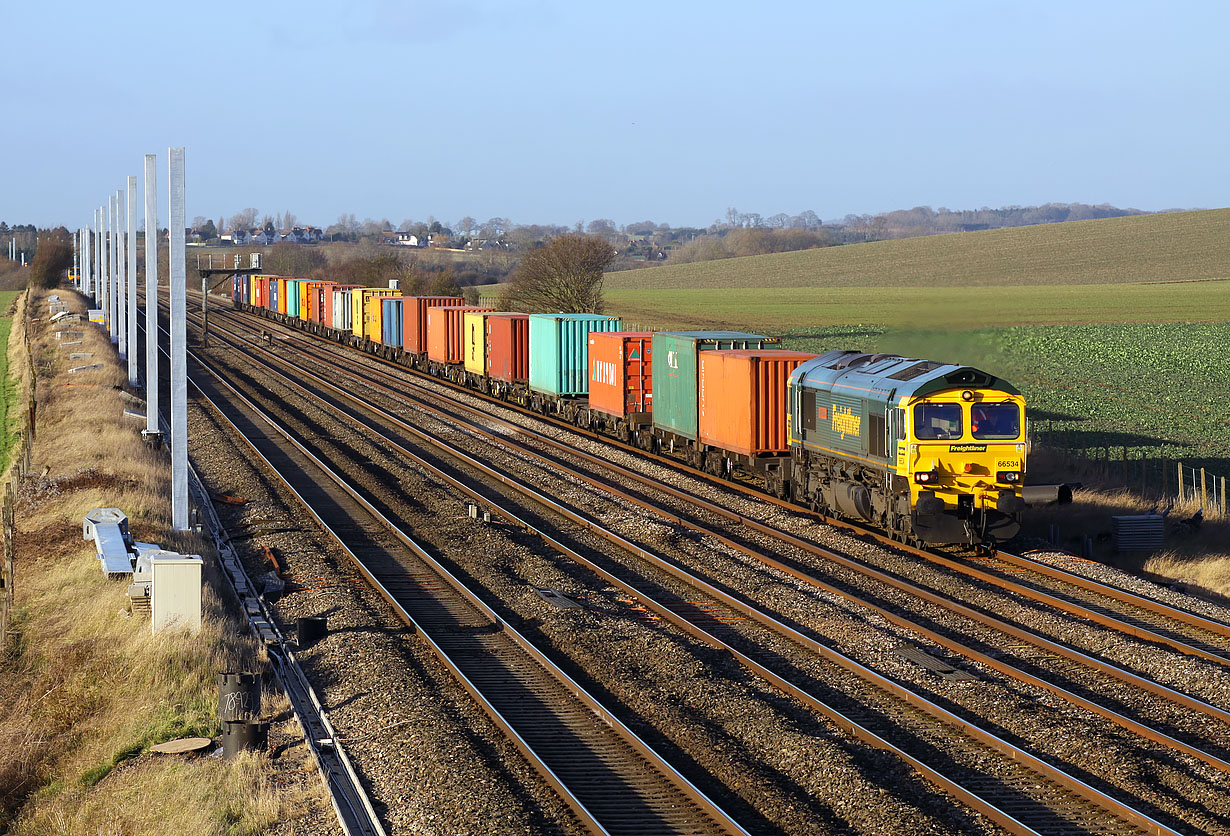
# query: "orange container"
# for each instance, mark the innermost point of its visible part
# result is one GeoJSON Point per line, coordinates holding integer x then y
{"type": "Point", "coordinates": [508, 347]}
{"type": "Point", "coordinates": [317, 291]}
{"type": "Point", "coordinates": [445, 332]}
{"type": "Point", "coordinates": [414, 319]}
{"type": "Point", "coordinates": [743, 399]}
{"type": "Point", "coordinates": [621, 372]}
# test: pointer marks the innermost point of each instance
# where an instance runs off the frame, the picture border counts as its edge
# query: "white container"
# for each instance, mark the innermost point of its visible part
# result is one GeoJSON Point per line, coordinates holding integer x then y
{"type": "Point", "coordinates": [175, 590]}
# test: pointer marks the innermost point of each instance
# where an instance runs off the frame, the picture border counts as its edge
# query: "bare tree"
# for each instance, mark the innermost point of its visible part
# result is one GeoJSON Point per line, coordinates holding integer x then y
{"type": "Point", "coordinates": [565, 276]}
{"type": "Point", "coordinates": [245, 219]}
{"type": "Point", "coordinates": [289, 221]}
{"type": "Point", "coordinates": [466, 226]}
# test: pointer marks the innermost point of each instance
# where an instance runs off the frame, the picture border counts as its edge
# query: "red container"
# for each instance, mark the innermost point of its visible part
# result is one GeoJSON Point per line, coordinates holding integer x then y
{"type": "Point", "coordinates": [621, 373]}
{"type": "Point", "coordinates": [742, 399]}
{"type": "Point", "coordinates": [327, 303]}
{"type": "Point", "coordinates": [508, 347]}
{"type": "Point", "coordinates": [414, 319]}
{"type": "Point", "coordinates": [261, 291]}
{"type": "Point", "coordinates": [317, 291]}
{"type": "Point", "coordinates": [445, 332]}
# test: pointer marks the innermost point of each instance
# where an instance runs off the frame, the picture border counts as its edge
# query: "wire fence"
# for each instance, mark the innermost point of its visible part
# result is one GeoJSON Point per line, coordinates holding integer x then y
{"type": "Point", "coordinates": [1141, 470]}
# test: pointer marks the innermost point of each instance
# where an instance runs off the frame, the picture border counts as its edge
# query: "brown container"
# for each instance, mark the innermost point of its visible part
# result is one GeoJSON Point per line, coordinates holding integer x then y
{"type": "Point", "coordinates": [742, 399]}
{"type": "Point", "coordinates": [444, 332]}
{"type": "Point", "coordinates": [414, 319]}
{"type": "Point", "coordinates": [621, 372]}
{"type": "Point", "coordinates": [326, 316]}
{"type": "Point", "coordinates": [508, 347]}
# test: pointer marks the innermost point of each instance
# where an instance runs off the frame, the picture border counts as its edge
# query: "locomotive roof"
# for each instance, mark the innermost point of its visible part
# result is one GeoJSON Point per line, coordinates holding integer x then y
{"type": "Point", "coordinates": [885, 376]}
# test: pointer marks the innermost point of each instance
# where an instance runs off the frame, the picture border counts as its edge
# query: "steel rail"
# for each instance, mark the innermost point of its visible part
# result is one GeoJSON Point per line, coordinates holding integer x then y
{"type": "Point", "coordinates": [718, 818]}
{"type": "Point", "coordinates": [1019, 756]}
{"type": "Point", "coordinates": [351, 804]}
{"type": "Point", "coordinates": [1110, 621]}
{"type": "Point", "coordinates": [987, 620]}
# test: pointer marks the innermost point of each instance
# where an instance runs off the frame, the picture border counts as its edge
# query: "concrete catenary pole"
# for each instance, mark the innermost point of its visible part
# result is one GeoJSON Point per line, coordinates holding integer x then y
{"type": "Point", "coordinates": [77, 259]}
{"type": "Point", "coordinates": [151, 294]}
{"type": "Point", "coordinates": [179, 343]}
{"type": "Point", "coordinates": [111, 268]}
{"type": "Point", "coordinates": [121, 292]}
{"type": "Point", "coordinates": [85, 261]}
{"type": "Point", "coordinates": [132, 280]}
{"type": "Point", "coordinates": [98, 257]}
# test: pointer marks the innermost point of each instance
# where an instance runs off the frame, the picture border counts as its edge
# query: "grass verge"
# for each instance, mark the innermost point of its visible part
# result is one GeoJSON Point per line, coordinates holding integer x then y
{"type": "Point", "coordinates": [87, 688]}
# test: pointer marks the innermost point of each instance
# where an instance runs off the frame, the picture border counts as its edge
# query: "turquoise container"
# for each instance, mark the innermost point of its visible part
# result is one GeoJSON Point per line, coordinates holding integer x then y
{"type": "Point", "coordinates": [292, 298]}
{"type": "Point", "coordinates": [676, 373]}
{"type": "Point", "coordinates": [391, 321]}
{"type": "Point", "coordinates": [559, 351]}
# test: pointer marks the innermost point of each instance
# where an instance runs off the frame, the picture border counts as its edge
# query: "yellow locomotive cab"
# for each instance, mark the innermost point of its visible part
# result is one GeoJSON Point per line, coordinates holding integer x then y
{"type": "Point", "coordinates": [964, 448]}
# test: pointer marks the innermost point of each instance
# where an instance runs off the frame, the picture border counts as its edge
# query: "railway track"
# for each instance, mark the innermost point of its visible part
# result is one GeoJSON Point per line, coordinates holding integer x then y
{"type": "Point", "coordinates": [763, 619]}
{"type": "Point", "coordinates": [1186, 632]}
{"type": "Point", "coordinates": [610, 778]}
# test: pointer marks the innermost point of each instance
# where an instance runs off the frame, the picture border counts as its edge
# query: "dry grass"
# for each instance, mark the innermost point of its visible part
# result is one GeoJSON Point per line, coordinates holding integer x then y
{"type": "Point", "coordinates": [86, 687]}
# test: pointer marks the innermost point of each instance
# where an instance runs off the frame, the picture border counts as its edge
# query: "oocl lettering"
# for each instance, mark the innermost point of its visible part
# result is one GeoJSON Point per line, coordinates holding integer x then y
{"type": "Point", "coordinates": [604, 372]}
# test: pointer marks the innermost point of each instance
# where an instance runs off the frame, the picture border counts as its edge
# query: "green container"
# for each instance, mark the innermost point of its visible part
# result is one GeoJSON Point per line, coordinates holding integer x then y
{"type": "Point", "coordinates": [559, 351]}
{"type": "Point", "coordinates": [676, 371]}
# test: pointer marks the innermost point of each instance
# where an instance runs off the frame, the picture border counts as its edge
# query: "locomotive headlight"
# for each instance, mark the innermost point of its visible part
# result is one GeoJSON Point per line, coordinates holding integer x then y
{"type": "Point", "coordinates": [1009, 476]}
{"type": "Point", "coordinates": [967, 395]}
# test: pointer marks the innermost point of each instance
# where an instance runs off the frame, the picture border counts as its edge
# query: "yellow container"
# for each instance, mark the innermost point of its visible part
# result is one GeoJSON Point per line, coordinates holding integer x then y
{"type": "Point", "coordinates": [474, 341]}
{"type": "Point", "coordinates": [365, 311]}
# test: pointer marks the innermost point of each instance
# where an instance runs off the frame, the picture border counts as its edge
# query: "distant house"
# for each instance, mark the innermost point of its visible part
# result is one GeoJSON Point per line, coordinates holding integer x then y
{"type": "Point", "coordinates": [298, 235]}
{"type": "Point", "coordinates": [265, 237]}
{"type": "Point", "coordinates": [240, 237]}
{"type": "Point", "coordinates": [315, 233]}
{"type": "Point", "coordinates": [405, 239]}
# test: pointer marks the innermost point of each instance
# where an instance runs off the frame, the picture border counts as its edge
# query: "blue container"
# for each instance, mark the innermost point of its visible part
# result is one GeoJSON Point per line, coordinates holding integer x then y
{"type": "Point", "coordinates": [391, 311]}
{"type": "Point", "coordinates": [559, 351]}
{"type": "Point", "coordinates": [273, 295]}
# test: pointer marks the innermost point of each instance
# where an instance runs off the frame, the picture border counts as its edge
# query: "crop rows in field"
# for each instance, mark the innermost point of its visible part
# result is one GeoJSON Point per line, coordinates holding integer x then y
{"type": "Point", "coordinates": [1176, 246]}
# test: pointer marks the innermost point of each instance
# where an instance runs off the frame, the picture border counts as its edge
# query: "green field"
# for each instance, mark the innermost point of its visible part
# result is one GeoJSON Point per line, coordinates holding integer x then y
{"type": "Point", "coordinates": [1114, 329]}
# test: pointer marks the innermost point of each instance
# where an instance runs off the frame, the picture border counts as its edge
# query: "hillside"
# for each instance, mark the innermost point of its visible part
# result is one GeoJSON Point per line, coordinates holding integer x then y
{"type": "Point", "coordinates": [1178, 246]}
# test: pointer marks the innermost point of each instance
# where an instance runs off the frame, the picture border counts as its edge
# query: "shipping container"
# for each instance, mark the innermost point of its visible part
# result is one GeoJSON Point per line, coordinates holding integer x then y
{"type": "Point", "coordinates": [474, 339]}
{"type": "Point", "coordinates": [330, 316]}
{"type": "Point", "coordinates": [343, 301]}
{"type": "Point", "coordinates": [237, 288]}
{"type": "Point", "coordinates": [559, 351]}
{"type": "Point", "coordinates": [274, 293]}
{"type": "Point", "coordinates": [508, 347]}
{"type": "Point", "coordinates": [292, 297]}
{"type": "Point", "coordinates": [318, 295]}
{"type": "Point", "coordinates": [744, 400]}
{"type": "Point", "coordinates": [675, 372]}
{"type": "Point", "coordinates": [251, 290]}
{"type": "Point", "coordinates": [365, 309]}
{"type": "Point", "coordinates": [414, 319]}
{"type": "Point", "coordinates": [445, 332]}
{"type": "Point", "coordinates": [261, 292]}
{"type": "Point", "coordinates": [621, 374]}
{"type": "Point", "coordinates": [391, 309]}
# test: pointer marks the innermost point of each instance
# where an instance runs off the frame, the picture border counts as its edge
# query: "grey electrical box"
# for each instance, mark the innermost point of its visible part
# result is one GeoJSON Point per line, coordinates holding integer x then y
{"type": "Point", "coordinates": [175, 590]}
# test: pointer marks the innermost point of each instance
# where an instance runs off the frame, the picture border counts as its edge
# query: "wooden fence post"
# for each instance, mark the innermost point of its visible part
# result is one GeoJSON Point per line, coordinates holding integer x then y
{"type": "Point", "coordinates": [1204, 495]}
{"type": "Point", "coordinates": [1180, 481]}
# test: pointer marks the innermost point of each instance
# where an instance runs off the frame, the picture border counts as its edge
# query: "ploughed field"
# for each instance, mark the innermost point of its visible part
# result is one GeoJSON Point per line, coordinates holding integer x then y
{"type": "Point", "coordinates": [1112, 328]}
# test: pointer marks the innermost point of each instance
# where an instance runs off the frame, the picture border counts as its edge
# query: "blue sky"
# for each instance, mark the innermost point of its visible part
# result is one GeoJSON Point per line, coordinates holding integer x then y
{"type": "Point", "coordinates": [553, 112]}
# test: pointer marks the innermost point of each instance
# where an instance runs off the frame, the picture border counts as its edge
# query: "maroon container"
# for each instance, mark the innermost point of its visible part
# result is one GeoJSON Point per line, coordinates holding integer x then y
{"type": "Point", "coordinates": [414, 319]}
{"type": "Point", "coordinates": [508, 347]}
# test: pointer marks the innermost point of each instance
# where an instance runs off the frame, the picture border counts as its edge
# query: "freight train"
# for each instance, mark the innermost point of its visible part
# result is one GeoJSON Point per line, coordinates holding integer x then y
{"type": "Point", "coordinates": [931, 453]}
